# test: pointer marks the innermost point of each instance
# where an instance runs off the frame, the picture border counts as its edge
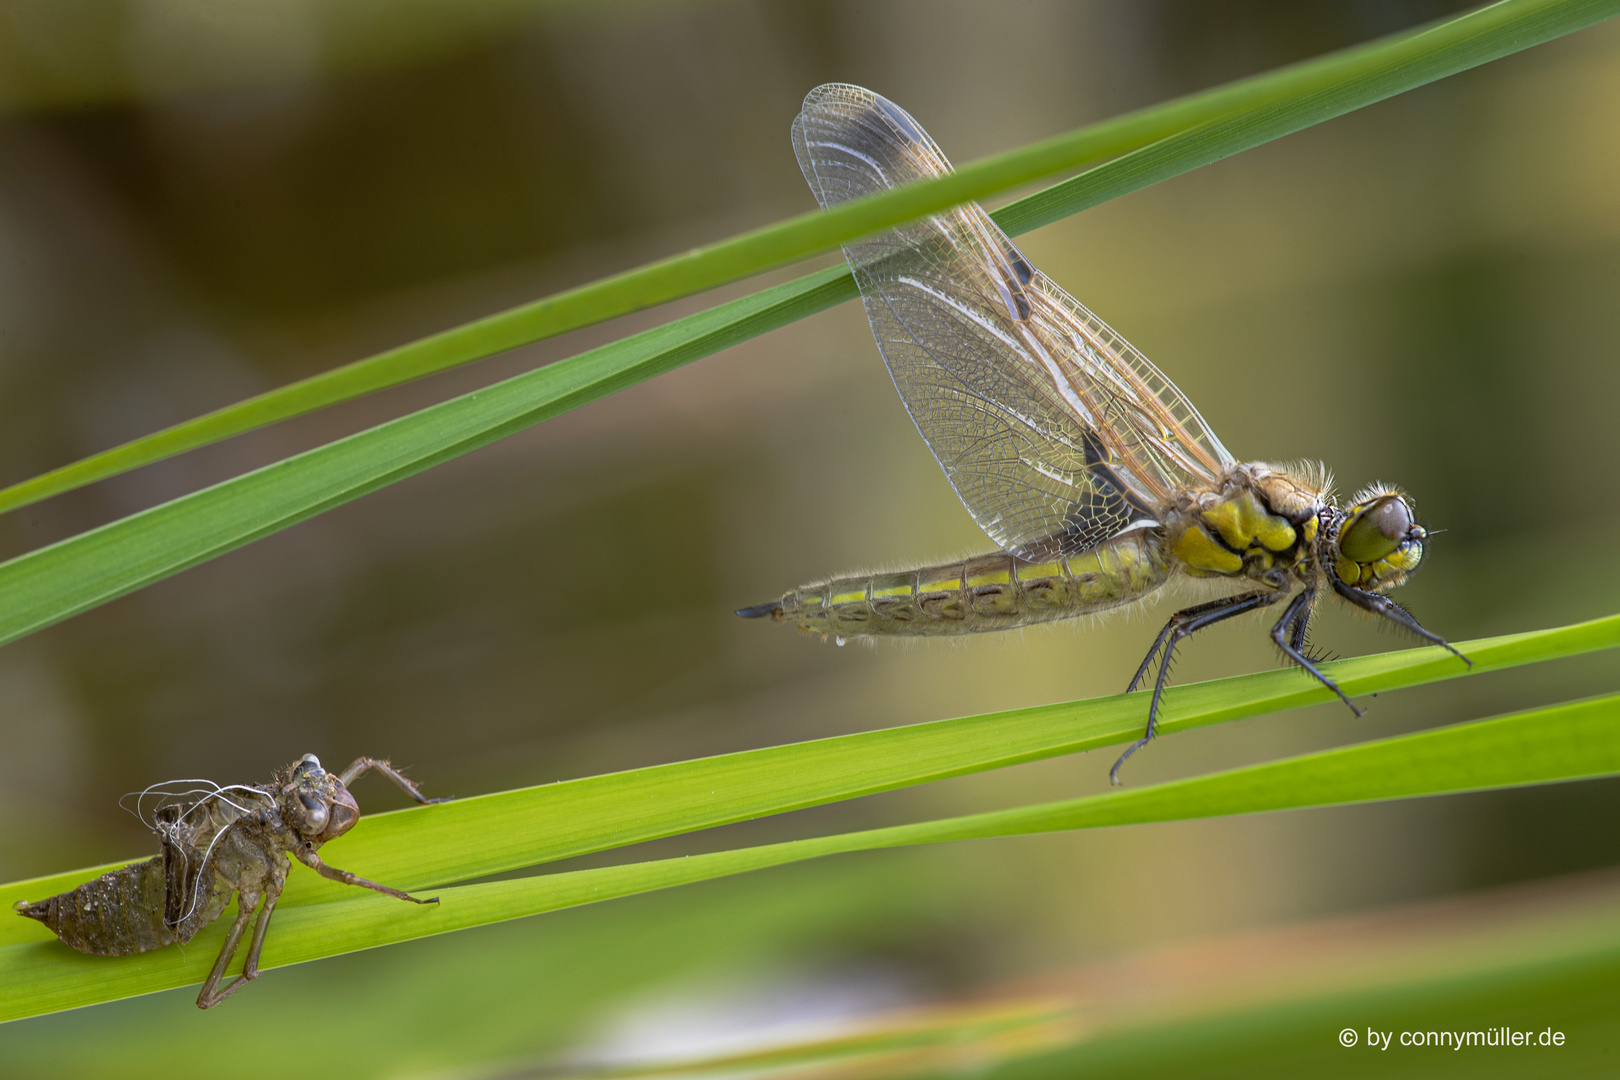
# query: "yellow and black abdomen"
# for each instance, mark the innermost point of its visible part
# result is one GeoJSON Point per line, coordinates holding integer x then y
{"type": "Point", "coordinates": [992, 592]}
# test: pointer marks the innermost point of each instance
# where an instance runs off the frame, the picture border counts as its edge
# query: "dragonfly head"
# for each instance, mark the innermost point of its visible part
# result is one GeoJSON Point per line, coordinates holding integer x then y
{"type": "Point", "coordinates": [1379, 542]}
{"type": "Point", "coordinates": [315, 804]}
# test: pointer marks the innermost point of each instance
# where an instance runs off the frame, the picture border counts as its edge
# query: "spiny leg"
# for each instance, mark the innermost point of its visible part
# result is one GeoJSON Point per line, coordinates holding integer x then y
{"type": "Point", "coordinates": [403, 782]}
{"type": "Point", "coordinates": [1389, 609]}
{"type": "Point", "coordinates": [1300, 638]}
{"type": "Point", "coordinates": [1302, 624]}
{"type": "Point", "coordinates": [307, 856]}
{"type": "Point", "coordinates": [1158, 643]}
{"type": "Point", "coordinates": [1289, 633]}
{"type": "Point", "coordinates": [210, 995]}
{"type": "Point", "coordinates": [1152, 654]}
{"type": "Point", "coordinates": [1182, 624]}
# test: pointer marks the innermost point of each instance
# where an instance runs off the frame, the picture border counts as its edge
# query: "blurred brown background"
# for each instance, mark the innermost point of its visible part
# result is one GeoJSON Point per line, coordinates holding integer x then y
{"type": "Point", "coordinates": [201, 202]}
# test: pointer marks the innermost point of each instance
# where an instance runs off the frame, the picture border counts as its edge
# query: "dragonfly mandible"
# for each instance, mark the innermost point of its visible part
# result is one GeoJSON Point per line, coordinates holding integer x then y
{"type": "Point", "coordinates": [1095, 476]}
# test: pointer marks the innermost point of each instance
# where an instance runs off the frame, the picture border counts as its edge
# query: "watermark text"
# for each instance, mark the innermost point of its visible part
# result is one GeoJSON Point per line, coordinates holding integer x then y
{"type": "Point", "coordinates": [1504, 1036]}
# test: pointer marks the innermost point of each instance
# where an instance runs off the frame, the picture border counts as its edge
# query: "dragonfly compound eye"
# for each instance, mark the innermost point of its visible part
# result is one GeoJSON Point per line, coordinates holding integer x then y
{"type": "Point", "coordinates": [315, 813]}
{"type": "Point", "coordinates": [1375, 529]}
{"type": "Point", "coordinates": [344, 813]}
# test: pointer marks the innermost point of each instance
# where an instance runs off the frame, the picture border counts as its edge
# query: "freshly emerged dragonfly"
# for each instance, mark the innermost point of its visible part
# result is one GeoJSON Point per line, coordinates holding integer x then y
{"type": "Point", "coordinates": [1097, 478]}
{"type": "Point", "coordinates": [234, 840]}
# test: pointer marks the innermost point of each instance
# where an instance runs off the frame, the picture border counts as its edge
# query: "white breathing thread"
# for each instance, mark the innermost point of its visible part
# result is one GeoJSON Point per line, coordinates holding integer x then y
{"type": "Point", "coordinates": [196, 890]}
{"type": "Point", "coordinates": [202, 870]}
{"type": "Point", "coordinates": [140, 796]}
{"type": "Point", "coordinates": [166, 830]}
{"type": "Point", "coordinates": [220, 795]}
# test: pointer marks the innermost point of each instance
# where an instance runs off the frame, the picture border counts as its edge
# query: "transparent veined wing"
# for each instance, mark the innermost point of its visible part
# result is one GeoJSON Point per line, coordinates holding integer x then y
{"type": "Point", "coordinates": [1055, 432]}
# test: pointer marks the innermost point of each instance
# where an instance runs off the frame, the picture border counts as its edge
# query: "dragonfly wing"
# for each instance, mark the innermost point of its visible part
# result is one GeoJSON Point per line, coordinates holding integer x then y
{"type": "Point", "coordinates": [1052, 429]}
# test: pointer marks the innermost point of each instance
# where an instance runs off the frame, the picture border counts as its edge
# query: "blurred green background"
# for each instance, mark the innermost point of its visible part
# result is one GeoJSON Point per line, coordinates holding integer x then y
{"type": "Point", "coordinates": [199, 202]}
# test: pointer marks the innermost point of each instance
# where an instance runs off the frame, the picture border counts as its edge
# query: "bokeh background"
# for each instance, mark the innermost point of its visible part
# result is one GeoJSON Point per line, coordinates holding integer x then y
{"type": "Point", "coordinates": [199, 202]}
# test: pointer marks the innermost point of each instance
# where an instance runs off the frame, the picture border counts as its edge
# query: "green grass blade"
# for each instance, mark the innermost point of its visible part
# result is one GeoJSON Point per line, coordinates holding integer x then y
{"type": "Point", "coordinates": [84, 571]}
{"type": "Point", "coordinates": [508, 830]}
{"type": "Point", "coordinates": [1227, 120]}
{"type": "Point", "coordinates": [54, 583]}
{"type": "Point", "coordinates": [1565, 742]}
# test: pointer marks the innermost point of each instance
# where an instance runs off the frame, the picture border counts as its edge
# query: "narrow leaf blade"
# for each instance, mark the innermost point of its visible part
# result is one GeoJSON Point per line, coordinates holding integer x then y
{"type": "Point", "coordinates": [1268, 106]}
{"type": "Point", "coordinates": [1572, 741]}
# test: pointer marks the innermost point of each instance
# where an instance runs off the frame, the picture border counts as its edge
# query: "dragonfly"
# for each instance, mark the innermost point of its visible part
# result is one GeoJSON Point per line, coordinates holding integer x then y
{"type": "Point", "coordinates": [1096, 478]}
{"type": "Point", "coordinates": [231, 840]}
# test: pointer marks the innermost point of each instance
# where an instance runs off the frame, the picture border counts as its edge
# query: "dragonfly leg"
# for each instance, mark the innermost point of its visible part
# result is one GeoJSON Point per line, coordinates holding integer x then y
{"type": "Point", "coordinates": [401, 781]}
{"type": "Point", "coordinates": [1289, 634]}
{"type": "Point", "coordinates": [306, 855]}
{"type": "Point", "coordinates": [1152, 654]}
{"type": "Point", "coordinates": [1178, 619]}
{"type": "Point", "coordinates": [1182, 624]}
{"type": "Point", "coordinates": [211, 993]}
{"type": "Point", "coordinates": [1389, 609]}
{"type": "Point", "coordinates": [1302, 623]}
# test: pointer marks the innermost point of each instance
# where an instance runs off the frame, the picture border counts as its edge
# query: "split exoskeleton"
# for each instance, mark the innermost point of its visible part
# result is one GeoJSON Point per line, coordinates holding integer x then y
{"type": "Point", "coordinates": [233, 841]}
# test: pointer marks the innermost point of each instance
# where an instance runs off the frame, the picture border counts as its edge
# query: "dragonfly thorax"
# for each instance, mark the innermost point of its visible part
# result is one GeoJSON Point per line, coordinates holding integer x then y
{"type": "Point", "coordinates": [1260, 522]}
{"type": "Point", "coordinates": [1276, 526]}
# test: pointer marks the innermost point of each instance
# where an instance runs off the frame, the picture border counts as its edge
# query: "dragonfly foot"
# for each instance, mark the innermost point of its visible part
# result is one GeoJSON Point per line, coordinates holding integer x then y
{"type": "Point", "coordinates": [1113, 774]}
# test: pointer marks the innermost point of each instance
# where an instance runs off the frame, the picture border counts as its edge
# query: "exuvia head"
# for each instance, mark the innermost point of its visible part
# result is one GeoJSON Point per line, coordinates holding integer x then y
{"type": "Point", "coordinates": [315, 804]}
{"type": "Point", "coordinates": [1378, 542]}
